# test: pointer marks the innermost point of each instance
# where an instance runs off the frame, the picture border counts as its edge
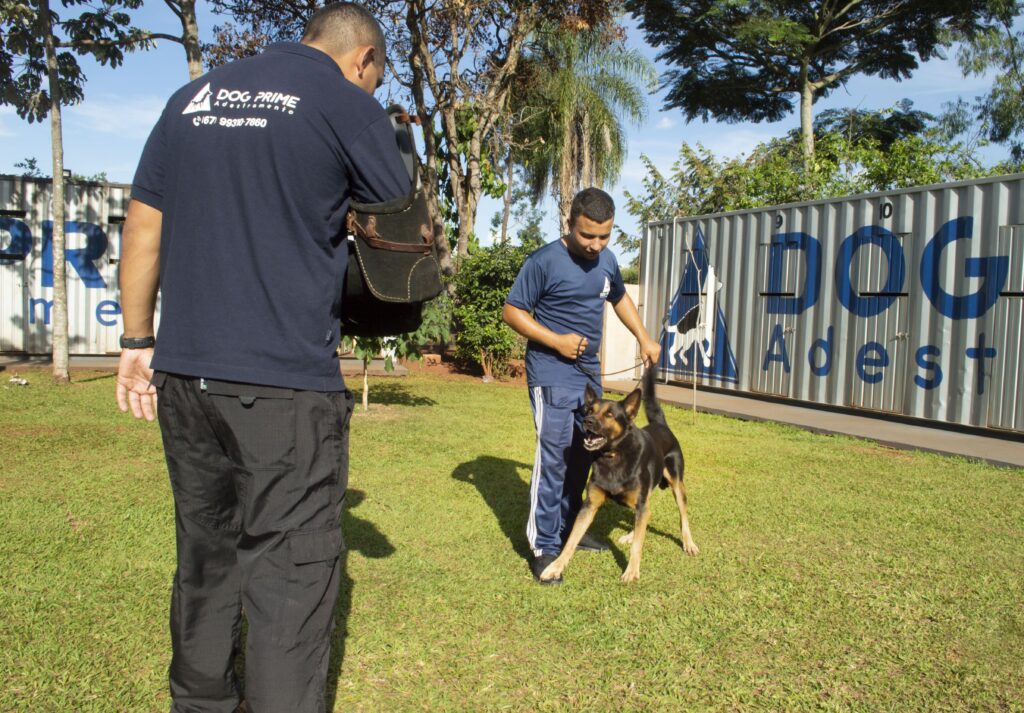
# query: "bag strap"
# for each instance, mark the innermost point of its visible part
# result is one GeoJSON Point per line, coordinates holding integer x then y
{"type": "Point", "coordinates": [369, 234]}
{"type": "Point", "coordinates": [401, 117]}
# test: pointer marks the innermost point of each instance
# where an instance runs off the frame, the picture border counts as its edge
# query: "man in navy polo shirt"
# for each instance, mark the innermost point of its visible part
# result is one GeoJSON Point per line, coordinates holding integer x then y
{"type": "Point", "coordinates": [237, 214]}
{"type": "Point", "coordinates": [557, 303]}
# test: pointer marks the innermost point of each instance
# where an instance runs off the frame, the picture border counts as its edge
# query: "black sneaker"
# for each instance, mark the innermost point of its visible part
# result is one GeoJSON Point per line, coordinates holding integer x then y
{"type": "Point", "coordinates": [539, 564]}
{"type": "Point", "coordinates": [591, 544]}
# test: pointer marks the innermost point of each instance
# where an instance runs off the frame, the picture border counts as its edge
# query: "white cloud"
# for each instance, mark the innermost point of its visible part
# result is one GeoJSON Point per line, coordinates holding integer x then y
{"type": "Point", "coordinates": [130, 117]}
{"type": "Point", "coordinates": [666, 122]}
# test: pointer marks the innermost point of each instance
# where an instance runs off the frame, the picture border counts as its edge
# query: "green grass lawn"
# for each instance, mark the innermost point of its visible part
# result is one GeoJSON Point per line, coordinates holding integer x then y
{"type": "Point", "coordinates": [833, 574]}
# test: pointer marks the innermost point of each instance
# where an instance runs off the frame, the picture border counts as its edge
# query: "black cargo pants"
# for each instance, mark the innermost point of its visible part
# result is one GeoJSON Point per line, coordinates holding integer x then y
{"type": "Point", "coordinates": [259, 476]}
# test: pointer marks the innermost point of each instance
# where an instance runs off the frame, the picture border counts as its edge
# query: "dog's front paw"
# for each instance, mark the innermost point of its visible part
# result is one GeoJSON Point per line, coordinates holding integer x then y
{"type": "Point", "coordinates": [690, 547]}
{"type": "Point", "coordinates": [626, 539]}
{"type": "Point", "coordinates": [552, 571]}
{"type": "Point", "coordinates": [631, 575]}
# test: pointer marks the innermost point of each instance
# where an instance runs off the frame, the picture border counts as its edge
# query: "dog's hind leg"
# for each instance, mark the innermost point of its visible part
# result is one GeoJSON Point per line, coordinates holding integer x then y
{"type": "Point", "coordinates": [595, 499]}
{"type": "Point", "coordinates": [643, 516]}
{"type": "Point", "coordinates": [689, 546]}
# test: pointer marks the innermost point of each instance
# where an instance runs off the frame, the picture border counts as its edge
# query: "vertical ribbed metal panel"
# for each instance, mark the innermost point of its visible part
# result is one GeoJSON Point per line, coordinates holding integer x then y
{"type": "Point", "coordinates": [917, 308]}
{"type": "Point", "coordinates": [94, 215]}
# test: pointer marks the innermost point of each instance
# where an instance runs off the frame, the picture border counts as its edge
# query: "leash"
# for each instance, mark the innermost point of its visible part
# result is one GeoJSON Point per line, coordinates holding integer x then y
{"type": "Point", "coordinates": [596, 376]}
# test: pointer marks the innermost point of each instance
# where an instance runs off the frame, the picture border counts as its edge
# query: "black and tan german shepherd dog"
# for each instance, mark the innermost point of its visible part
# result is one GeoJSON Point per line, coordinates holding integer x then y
{"type": "Point", "coordinates": [631, 462]}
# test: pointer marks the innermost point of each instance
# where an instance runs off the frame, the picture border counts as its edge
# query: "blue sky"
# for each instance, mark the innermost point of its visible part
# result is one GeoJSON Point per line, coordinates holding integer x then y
{"type": "Point", "coordinates": [106, 132]}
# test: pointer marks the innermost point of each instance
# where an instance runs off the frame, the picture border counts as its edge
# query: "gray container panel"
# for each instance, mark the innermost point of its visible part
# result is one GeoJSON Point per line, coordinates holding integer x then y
{"type": "Point", "coordinates": [94, 214]}
{"type": "Point", "coordinates": [906, 302]}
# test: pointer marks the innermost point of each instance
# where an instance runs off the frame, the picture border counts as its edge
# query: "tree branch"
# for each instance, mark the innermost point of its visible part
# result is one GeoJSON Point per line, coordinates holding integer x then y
{"type": "Point", "coordinates": [175, 9]}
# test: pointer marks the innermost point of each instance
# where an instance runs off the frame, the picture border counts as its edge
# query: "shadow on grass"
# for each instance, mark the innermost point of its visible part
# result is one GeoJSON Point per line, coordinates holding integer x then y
{"type": "Point", "coordinates": [508, 496]}
{"type": "Point", "coordinates": [361, 536]}
{"type": "Point", "coordinates": [613, 516]}
{"type": "Point", "coordinates": [392, 393]}
{"type": "Point", "coordinates": [505, 493]}
{"type": "Point", "coordinates": [99, 377]}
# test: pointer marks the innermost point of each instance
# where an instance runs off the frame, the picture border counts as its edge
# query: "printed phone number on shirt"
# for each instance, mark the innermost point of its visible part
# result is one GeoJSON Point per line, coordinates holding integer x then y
{"type": "Point", "coordinates": [255, 121]}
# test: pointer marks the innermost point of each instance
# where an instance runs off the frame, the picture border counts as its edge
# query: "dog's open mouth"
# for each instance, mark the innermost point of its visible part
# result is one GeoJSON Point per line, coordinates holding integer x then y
{"type": "Point", "coordinates": [593, 441]}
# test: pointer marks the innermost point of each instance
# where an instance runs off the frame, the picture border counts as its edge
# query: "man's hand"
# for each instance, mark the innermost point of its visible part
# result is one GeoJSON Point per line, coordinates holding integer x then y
{"type": "Point", "coordinates": [133, 388]}
{"type": "Point", "coordinates": [570, 345]}
{"type": "Point", "coordinates": [650, 350]}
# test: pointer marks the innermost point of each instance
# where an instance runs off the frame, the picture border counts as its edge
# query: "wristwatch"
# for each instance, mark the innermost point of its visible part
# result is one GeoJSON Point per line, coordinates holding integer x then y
{"type": "Point", "coordinates": [137, 342]}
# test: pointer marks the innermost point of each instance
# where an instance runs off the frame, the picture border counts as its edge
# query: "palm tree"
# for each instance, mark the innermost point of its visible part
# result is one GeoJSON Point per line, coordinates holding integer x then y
{"type": "Point", "coordinates": [575, 90]}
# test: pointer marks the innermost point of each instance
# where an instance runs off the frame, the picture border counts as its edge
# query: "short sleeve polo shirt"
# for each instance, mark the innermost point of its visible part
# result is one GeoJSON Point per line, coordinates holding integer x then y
{"type": "Point", "coordinates": [566, 293]}
{"type": "Point", "coordinates": [253, 166]}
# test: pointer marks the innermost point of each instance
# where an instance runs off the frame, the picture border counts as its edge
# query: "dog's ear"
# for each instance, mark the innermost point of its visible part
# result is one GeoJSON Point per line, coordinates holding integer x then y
{"type": "Point", "coordinates": [631, 403]}
{"type": "Point", "coordinates": [589, 397]}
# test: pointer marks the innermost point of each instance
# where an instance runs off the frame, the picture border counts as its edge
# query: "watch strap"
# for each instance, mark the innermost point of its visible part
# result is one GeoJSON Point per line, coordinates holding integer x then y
{"type": "Point", "coordinates": [137, 342]}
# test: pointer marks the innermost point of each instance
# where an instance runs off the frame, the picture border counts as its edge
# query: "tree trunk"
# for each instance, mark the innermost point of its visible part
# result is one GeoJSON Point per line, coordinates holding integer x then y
{"type": "Point", "coordinates": [566, 169]}
{"type": "Point", "coordinates": [59, 327]}
{"type": "Point", "coordinates": [470, 193]}
{"type": "Point", "coordinates": [586, 156]}
{"type": "Point", "coordinates": [190, 38]}
{"type": "Point", "coordinates": [366, 384]}
{"type": "Point", "coordinates": [508, 198]}
{"type": "Point", "coordinates": [430, 190]}
{"type": "Point", "coordinates": [428, 177]}
{"type": "Point", "coordinates": [807, 118]}
{"type": "Point", "coordinates": [467, 218]}
{"type": "Point", "coordinates": [606, 142]}
{"type": "Point", "coordinates": [429, 174]}
{"type": "Point", "coordinates": [485, 363]}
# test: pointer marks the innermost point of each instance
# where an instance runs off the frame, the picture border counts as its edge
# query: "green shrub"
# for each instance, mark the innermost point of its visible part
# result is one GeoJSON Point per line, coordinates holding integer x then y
{"type": "Point", "coordinates": [481, 285]}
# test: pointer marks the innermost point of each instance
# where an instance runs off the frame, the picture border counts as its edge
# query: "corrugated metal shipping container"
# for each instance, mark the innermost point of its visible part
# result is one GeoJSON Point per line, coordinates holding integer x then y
{"type": "Point", "coordinates": [95, 213]}
{"type": "Point", "coordinates": [906, 302]}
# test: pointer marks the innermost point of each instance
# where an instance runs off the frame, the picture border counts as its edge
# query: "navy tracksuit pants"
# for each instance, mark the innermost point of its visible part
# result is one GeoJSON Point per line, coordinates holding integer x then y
{"type": "Point", "coordinates": [560, 468]}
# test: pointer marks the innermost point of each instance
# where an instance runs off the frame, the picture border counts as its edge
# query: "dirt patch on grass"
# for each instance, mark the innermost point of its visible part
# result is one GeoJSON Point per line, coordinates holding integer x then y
{"type": "Point", "coordinates": [376, 412]}
{"type": "Point", "coordinates": [884, 452]}
{"type": "Point", "coordinates": [12, 432]}
{"type": "Point", "coordinates": [448, 368]}
{"type": "Point", "coordinates": [44, 374]}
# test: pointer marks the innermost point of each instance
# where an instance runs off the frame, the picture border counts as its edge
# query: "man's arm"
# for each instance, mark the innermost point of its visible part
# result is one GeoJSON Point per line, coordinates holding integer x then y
{"type": "Point", "coordinates": [568, 345]}
{"type": "Point", "coordinates": [139, 280]}
{"type": "Point", "coordinates": [627, 313]}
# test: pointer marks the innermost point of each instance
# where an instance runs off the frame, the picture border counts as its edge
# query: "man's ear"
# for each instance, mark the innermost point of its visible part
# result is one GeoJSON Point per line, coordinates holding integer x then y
{"type": "Point", "coordinates": [354, 63]}
{"type": "Point", "coordinates": [631, 403]}
{"type": "Point", "coordinates": [589, 397]}
{"type": "Point", "coordinates": [367, 56]}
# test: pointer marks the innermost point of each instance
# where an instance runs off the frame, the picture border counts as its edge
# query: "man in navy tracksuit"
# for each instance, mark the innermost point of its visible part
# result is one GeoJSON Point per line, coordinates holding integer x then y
{"type": "Point", "coordinates": [237, 215]}
{"type": "Point", "coordinates": [557, 303]}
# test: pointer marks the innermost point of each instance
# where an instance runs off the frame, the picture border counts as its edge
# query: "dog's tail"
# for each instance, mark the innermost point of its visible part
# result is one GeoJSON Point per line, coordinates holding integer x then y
{"type": "Point", "coordinates": [651, 406]}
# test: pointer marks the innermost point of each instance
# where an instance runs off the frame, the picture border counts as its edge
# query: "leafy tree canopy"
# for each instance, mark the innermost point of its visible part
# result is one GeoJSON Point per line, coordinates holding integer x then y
{"type": "Point", "coordinates": [998, 47]}
{"type": "Point", "coordinates": [885, 127]}
{"type": "Point", "coordinates": [579, 90]}
{"type": "Point", "coordinates": [101, 29]}
{"type": "Point", "coordinates": [846, 163]}
{"type": "Point", "coordinates": [748, 60]}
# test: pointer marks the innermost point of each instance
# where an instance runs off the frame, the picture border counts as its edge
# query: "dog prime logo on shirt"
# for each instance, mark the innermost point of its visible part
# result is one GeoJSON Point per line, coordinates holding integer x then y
{"type": "Point", "coordinates": [207, 99]}
{"type": "Point", "coordinates": [200, 102]}
{"type": "Point", "coordinates": [606, 290]}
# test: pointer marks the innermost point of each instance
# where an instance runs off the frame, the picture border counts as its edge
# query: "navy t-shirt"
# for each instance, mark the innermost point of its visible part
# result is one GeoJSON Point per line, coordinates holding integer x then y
{"type": "Point", "coordinates": [253, 166]}
{"type": "Point", "coordinates": [566, 293]}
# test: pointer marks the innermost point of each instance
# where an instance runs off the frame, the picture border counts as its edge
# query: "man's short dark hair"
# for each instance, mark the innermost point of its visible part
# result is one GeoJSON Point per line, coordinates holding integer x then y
{"type": "Point", "coordinates": [343, 26]}
{"type": "Point", "coordinates": [592, 203]}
